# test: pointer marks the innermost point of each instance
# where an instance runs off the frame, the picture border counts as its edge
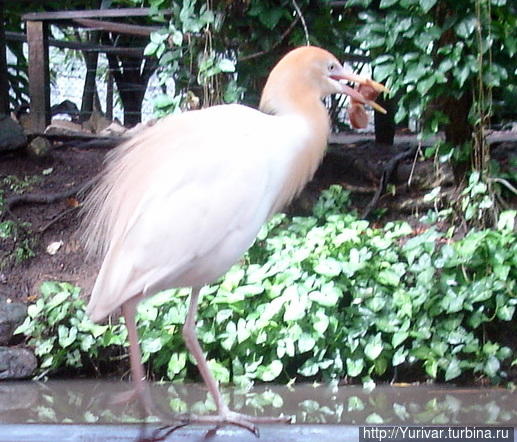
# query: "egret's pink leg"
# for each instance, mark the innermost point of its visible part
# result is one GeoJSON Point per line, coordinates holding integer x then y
{"type": "Point", "coordinates": [225, 415]}
{"type": "Point", "coordinates": [141, 389]}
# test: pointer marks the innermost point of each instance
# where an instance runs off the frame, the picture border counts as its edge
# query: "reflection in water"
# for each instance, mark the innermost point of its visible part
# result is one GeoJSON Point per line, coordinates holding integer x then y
{"type": "Point", "coordinates": [89, 402]}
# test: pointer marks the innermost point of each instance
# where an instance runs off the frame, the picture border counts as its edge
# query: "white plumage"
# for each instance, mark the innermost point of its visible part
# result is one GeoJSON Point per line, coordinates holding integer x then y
{"type": "Point", "coordinates": [180, 203]}
{"type": "Point", "coordinates": [199, 205]}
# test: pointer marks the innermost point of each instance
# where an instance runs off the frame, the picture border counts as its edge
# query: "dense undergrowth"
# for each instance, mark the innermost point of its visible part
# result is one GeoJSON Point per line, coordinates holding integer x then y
{"type": "Point", "coordinates": [321, 297]}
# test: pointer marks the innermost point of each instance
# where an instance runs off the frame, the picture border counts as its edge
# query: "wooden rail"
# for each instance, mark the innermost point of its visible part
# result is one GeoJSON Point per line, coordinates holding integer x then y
{"type": "Point", "coordinates": [81, 46]}
{"type": "Point", "coordinates": [92, 13]}
{"type": "Point", "coordinates": [38, 41]}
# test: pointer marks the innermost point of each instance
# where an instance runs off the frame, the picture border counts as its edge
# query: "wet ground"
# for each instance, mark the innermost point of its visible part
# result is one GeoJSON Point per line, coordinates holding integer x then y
{"type": "Point", "coordinates": [82, 410]}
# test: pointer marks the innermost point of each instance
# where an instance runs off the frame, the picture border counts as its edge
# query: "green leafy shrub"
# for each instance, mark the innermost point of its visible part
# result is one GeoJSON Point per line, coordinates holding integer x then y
{"type": "Point", "coordinates": [62, 334]}
{"type": "Point", "coordinates": [322, 297]}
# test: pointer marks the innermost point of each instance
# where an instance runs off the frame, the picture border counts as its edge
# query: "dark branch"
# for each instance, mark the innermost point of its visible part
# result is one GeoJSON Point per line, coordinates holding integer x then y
{"type": "Point", "coordinates": [387, 176]}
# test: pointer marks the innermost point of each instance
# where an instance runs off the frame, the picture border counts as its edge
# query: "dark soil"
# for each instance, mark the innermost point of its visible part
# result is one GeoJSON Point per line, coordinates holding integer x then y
{"type": "Point", "coordinates": [47, 223]}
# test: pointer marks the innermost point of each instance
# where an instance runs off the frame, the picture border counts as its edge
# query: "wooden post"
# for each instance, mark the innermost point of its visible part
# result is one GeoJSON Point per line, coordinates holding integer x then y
{"type": "Point", "coordinates": [4, 83]}
{"type": "Point", "coordinates": [39, 79]}
{"type": "Point", "coordinates": [109, 97]}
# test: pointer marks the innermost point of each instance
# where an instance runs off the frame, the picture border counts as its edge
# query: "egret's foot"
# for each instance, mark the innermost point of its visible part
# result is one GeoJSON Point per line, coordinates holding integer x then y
{"type": "Point", "coordinates": [228, 417]}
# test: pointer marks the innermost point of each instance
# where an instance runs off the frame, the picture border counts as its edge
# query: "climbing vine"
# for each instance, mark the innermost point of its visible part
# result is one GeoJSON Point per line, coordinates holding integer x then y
{"type": "Point", "coordinates": [446, 62]}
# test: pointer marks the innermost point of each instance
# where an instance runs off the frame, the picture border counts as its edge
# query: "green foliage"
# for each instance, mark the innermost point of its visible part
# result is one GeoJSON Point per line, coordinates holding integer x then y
{"type": "Point", "coordinates": [60, 331]}
{"type": "Point", "coordinates": [445, 60]}
{"type": "Point", "coordinates": [16, 237]}
{"type": "Point", "coordinates": [186, 57]}
{"type": "Point", "coordinates": [321, 297]}
{"type": "Point", "coordinates": [434, 48]}
{"type": "Point", "coordinates": [21, 241]}
{"type": "Point", "coordinates": [200, 48]}
{"type": "Point", "coordinates": [20, 185]}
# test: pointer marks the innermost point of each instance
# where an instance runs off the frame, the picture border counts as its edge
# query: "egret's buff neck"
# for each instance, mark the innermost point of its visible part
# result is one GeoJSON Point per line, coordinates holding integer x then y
{"type": "Point", "coordinates": [291, 91]}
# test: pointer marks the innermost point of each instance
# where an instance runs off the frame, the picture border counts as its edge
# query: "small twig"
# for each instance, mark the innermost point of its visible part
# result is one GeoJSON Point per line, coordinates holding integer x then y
{"type": "Point", "coordinates": [414, 163]}
{"type": "Point", "coordinates": [505, 183]}
{"type": "Point", "coordinates": [305, 30]}
{"type": "Point", "coordinates": [282, 37]}
{"type": "Point", "coordinates": [101, 143]}
{"type": "Point", "coordinates": [57, 218]}
{"type": "Point", "coordinates": [358, 189]}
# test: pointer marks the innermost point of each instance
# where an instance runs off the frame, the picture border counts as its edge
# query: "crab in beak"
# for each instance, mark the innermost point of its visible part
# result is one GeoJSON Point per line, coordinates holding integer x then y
{"type": "Point", "coordinates": [365, 92]}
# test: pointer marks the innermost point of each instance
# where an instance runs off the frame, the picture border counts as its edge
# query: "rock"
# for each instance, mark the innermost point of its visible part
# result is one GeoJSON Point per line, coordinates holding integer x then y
{"type": "Point", "coordinates": [39, 147]}
{"type": "Point", "coordinates": [96, 123]}
{"type": "Point", "coordinates": [66, 107]}
{"type": "Point", "coordinates": [113, 130]}
{"type": "Point", "coordinates": [11, 134]}
{"type": "Point", "coordinates": [63, 127]}
{"type": "Point", "coordinates": [17, 363]}
{"type": "Point", "coordinates": [12, 314]}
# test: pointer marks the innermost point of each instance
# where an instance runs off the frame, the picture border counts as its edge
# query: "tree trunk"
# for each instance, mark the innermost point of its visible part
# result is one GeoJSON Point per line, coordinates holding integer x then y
{"type": "Point", "coordinates": [90, 85]}
{"type": "Point", "coordinates": [132, 102]}
{"type": "Point", "coordinates": [131, 78]}
{"type": "Point", "coordinates": [459, 131]}
{"type": "Point", "coordinates": [385, 123]}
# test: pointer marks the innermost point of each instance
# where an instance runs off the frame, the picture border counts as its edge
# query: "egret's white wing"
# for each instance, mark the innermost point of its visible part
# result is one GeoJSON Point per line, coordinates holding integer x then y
{"type": "Point", "coordinates": [199, 207]}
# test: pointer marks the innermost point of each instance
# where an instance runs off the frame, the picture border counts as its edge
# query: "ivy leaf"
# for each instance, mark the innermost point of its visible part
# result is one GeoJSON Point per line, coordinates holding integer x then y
{"type": "Point", "coordinates": [383, 71]}
{"type": "Point", "coordinates": [309, 368]}
{"type": "Point", "coordinates": [322, 323]}
{"type": "Point", "coordinates": [327, 297]}
{"type": "Point", "coordinates": [466, 26]}
{"type": "Point", "coordinates": [453, 370]}
{"type": "Point", "coordinates": [328, 267]}
{"type": "Point", "coordinates": [387, 3]}
{"type": "Point", "coordinates": [220, 372]}
{"type": "Point", "coordinates": [424, 85]}
{"type": "Point", "coordinates": [399, 356]}
{"type": "Point", "coordinates": [177, 38]}
{"type": "Point", "coordinates": [492, 366]}
{"type": "Point", "coordinates": [354, 367]}
{"type": "Point", "coordinates": [506, 312]}
{"type": "Point", "coordinates": [388, 277]}
{"type": "Point", "coordinates": [66, 336]}
{"type": "Point", "coordinates": [151, 345]}
{"type": "Point", "coordinates": [431, 367]}
{"type": "Point", "coordinates": [226, 65]}
{"type": "Point", "coordinates": [150, 49]}
{"type": "Point", "coordinates": [374, 348]}
{"type": "Point", "coordinates": [268, 373]}
{"type": "Point", "coordinates": [403, 25]}
{"type": "Point", "coordinates": [87, 342]}
{"type": "Point", "coordinates": [426, 5]}
{"type": "Point", "coordinates": [398, 338]}
{"type": "Point", "coordinates": [176, 363]}
{"type": "Point", "coordinates": [306, 343]}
